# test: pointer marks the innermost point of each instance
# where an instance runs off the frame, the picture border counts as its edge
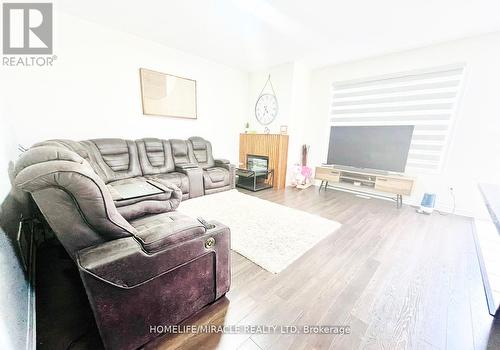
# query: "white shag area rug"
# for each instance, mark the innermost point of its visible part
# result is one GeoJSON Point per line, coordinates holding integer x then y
{"type": "Point", "coordinates": [269, 234]}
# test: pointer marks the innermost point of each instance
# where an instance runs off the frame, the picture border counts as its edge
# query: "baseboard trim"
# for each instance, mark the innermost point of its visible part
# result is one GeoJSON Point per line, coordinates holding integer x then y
{"type": "Point", "coordinates": [443, 208]}
{"type": "Point", "coordinates": [414, 202]}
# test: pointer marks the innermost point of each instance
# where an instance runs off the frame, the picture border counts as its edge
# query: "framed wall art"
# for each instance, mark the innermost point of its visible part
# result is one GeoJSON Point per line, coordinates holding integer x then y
{"type": "Point", "coordinates": [167, 95]}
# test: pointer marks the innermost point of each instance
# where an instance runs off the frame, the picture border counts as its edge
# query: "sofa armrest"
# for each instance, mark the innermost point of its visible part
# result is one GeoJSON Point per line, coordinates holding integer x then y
{"type": "Point", "coordinates": [219, 162]}
{"type": "Point", "coordinates": [224, 163]}
{"type": "Point", "coordinates": [124, 264]}
{"type": "Point", "coordinates": [73, 199]}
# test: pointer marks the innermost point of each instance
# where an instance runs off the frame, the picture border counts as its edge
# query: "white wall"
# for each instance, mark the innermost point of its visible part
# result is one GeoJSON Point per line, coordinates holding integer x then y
{"type": "Point", "coordinates": [93, 90]}
{"type": "Point", "coordinates": [14, 285]}
{"type": "Point", "coordinates": [300, 113]}
{"type": "Point", "coordinates": [282, 80]}
{"type": "Point", "coordinates": [291, 85]}
{"type": "Point", "coordinates": [13, 297]}
{"type": "Point", "coordinates": [475, 148]}
{"type": "Point", "coordinates": [7, 150]}
{"type": "Point", "coordinates": [4, 156]}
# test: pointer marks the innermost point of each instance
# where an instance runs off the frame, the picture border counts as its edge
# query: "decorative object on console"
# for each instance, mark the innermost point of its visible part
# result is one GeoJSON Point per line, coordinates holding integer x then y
{"type": "Point", "coordinates": [283, 129]}
{"type": "Point", "coordinates": [247, 127]}
{"type": "Point", "coordinates": [273, 146]}
{"type": "Point", "coordinates": [167, 95]}
{"type": "Point", "coordinates": [266, 107]}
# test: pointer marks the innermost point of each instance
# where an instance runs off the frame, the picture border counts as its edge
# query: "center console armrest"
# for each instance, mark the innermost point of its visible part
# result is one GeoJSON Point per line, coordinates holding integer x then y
{"type": "Point", "coordinates": [195, 175]}
{"type": "Point", "coordinates": [186, 166]}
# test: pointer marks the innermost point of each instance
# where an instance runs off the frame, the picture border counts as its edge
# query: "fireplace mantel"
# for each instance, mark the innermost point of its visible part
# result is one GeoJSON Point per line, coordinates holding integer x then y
{"type": "Point", "coordinates": [273, 146]}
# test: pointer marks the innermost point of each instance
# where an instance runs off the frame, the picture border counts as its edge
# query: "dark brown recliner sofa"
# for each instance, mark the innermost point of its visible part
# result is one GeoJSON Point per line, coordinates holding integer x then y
{"type": "Point", "coordinates": [218, 174]}
{"type": "Point", "coordinates": [142, 263]}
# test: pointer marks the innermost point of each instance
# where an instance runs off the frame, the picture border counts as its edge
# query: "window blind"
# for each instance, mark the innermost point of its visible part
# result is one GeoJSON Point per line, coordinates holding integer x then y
{"type": "Point", "coordinates": [426, 98]}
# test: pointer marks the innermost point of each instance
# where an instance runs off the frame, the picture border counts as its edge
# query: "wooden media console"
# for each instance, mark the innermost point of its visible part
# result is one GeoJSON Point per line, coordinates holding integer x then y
{"type": "Point", "coordinates": [366, 183]}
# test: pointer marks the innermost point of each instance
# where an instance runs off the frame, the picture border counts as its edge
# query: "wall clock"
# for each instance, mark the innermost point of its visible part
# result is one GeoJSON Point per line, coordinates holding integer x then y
{"type": "Point", "coordinates": [266, 107]}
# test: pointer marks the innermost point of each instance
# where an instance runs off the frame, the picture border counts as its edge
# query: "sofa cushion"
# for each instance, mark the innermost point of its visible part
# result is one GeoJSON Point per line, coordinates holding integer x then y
{"type": "Point", "coordinates": [155, 232]}
{"type": "Point", "coordinates": [131, 208]}
{"type": "Point", "coordinates": [178, 179]}
{"type": "Point", "coordinates": [215, 177]}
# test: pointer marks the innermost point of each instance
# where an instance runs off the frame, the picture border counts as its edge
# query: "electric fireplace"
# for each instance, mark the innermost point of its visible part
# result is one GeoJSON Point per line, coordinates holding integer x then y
{"type": "Point", "coordinates": [257, 175]}
{"type": "Point", "coordinates": [259, 164]}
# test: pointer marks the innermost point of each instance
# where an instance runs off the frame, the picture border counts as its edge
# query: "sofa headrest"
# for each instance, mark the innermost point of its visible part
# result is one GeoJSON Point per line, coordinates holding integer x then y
{"type": "Point", "coordinates": [202, 150]}
{"type": "Point", "coordinates": [42, 154]}
{"type": "Point", "coordinates": [198, 142]}
{"type": "Point", "coordinates": [74, 146]}
{"type": "Point", "coordinates": [179, 148]}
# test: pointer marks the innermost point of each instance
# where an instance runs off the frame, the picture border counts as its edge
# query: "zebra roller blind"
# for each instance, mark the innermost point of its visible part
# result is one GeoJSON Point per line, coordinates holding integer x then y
{"type": "Point", "coordinates": [425, 98]}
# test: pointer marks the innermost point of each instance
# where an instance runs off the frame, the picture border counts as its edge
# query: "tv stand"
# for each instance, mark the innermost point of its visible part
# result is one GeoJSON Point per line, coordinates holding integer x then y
{"type": "Point", "coordinates": [367, 183]}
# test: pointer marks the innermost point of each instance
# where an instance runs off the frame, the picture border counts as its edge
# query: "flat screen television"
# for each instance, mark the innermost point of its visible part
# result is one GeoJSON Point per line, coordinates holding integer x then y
{"type": "Point", "coordinates": [370, 147]}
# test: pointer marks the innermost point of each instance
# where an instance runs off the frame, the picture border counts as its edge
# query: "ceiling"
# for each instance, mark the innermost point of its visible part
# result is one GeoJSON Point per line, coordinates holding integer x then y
{"type": "Point", "coordinates": [255, 34]}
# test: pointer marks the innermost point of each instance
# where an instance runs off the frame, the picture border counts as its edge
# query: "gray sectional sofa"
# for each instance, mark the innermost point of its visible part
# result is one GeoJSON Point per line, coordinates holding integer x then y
{"type": "Point", "coordinates": [111, 203]}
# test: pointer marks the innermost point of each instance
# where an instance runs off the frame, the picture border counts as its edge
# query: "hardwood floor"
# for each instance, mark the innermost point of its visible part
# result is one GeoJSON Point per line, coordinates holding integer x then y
{"type": "Point", "coordinates": [400, 280]}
